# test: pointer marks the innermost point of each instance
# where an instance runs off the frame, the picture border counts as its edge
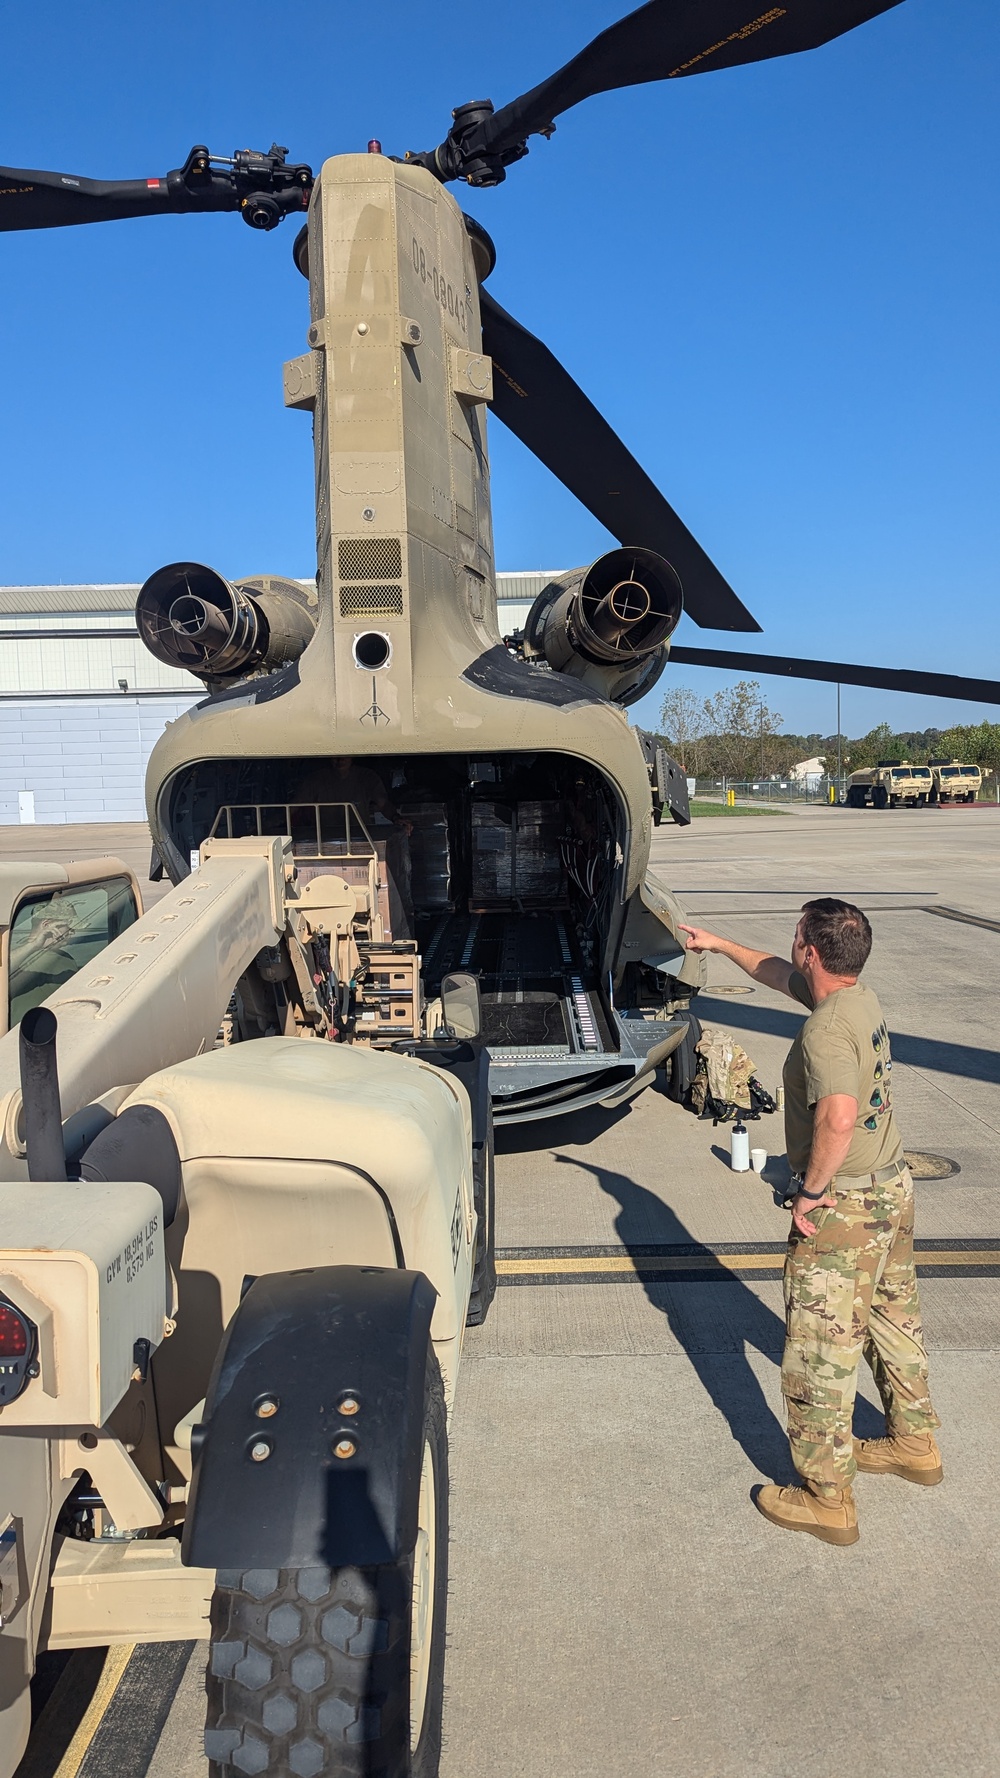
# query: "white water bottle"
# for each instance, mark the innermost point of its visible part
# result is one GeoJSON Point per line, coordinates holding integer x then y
{"type": "Point", "coordinates": [739, 1147]}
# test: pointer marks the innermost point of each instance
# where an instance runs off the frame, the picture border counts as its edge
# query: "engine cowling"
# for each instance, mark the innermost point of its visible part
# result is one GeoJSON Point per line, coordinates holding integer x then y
{"type": "Point", "coordinates": [189, 616]}
{"type": "Point", "coordinates": [610, 624]}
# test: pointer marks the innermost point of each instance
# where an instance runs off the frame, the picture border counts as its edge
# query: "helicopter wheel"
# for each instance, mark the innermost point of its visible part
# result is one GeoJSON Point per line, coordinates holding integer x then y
{"type": "Point", "coordinates": [681, 1066]}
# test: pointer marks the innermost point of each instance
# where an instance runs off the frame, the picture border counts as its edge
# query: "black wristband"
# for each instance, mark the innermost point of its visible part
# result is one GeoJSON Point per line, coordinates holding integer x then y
{"type": "Point", "coordinates": [813, 1196]}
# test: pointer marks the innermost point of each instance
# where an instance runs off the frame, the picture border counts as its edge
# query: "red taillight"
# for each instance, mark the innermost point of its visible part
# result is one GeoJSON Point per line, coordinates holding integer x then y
{"type": "Point", "coordinates": [13, 1332]}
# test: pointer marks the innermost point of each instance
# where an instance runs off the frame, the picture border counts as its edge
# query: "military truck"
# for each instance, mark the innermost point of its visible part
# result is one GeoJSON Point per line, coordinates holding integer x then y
{"type": "Point", "coordinates": [953, 782]}
{"type": "Point", "coordinates": [889, 784]}
{"type": "Point", "coordinates": [234, 1284]}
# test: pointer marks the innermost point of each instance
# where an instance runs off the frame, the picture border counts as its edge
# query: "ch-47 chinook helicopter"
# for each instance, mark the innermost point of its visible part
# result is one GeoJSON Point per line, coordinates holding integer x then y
{"type": "Point", "coordinates": [526, 794]}
{"type": "Point", "coordinates": [223, 1375]}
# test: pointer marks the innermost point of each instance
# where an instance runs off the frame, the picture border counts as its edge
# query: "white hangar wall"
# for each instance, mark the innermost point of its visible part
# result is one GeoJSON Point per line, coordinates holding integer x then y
{"type": "Point", "coordinates": [82, 702]}
{"type": "Point", "coordinates": [80, 759]}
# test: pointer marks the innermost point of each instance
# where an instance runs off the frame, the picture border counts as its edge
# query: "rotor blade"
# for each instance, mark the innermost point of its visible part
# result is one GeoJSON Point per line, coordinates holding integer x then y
{"type": "Point", "coordinates": [669, 38]}
{"type": "Point", "coordinates": [935, 685]}
{"type": "Point", "coordinates": [541, 404]}
{"type": "Point", "coordinates": [57, 200]}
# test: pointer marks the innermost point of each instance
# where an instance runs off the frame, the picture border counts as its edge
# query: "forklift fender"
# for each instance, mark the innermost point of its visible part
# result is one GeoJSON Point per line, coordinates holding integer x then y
{"type": "Point", "coordinates": [303, 1482]}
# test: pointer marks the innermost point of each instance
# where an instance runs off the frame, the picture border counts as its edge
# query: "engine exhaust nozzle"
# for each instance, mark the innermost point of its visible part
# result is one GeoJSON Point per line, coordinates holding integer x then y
{"type": "Point", "coordinates": [609, 624]}
{"type": "Point", "coordinates": [625, 606]}
{"type": "Point", "coordinates": [189, 616]}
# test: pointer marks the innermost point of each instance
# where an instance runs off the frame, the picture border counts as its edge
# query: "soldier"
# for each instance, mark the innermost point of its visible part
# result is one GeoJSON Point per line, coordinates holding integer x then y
{"type": "Point", "coordinates": [850, 1284]}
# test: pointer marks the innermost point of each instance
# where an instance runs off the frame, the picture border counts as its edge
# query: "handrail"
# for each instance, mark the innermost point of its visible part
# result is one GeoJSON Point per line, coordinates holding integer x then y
{"type": "Point", "coordinates": [349, 812]}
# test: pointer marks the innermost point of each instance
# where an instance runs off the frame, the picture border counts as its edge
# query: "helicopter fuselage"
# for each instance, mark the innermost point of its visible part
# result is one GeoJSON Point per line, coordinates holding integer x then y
{"type": "Point", "coordinates": [526, 790]}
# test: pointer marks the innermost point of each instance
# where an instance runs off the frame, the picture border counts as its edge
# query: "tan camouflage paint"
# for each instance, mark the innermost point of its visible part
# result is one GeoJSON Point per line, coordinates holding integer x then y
{"type": "Point", "coordinates": [850, 1289]}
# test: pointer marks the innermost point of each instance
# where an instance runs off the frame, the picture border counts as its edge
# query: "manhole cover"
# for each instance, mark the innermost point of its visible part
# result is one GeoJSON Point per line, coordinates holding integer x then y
{"type": "Point", "coordinates": [738, 990]}
{"type": "Point", "coordinates": [929, 1166]}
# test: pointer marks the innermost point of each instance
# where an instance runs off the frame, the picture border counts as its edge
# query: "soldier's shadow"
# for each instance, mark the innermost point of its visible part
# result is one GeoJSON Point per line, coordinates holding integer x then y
{"type": "Point", "coordinates": [714, 1318]}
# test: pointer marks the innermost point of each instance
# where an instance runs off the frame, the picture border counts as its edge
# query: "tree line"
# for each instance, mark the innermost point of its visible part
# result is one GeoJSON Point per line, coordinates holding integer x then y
{"type": "Point", "coordinates": [736, 735]}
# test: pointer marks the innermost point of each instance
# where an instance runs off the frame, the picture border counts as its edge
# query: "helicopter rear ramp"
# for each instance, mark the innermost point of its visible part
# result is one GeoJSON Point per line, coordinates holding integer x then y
{"type": "Point", "coordinates": [555, 1042]}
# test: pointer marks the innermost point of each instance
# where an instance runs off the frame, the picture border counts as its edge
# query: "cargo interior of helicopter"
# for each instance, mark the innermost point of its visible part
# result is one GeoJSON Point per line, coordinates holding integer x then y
{"type": "Point", "coordinates": [507, 867]}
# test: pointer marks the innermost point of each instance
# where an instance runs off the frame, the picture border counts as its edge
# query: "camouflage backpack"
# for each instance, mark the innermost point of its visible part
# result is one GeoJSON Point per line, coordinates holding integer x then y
{"type": "Point", "coordinates": [726, 1080]}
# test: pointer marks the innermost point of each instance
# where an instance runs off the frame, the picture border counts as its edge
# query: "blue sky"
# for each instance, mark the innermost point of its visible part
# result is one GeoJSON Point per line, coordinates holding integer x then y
{"type": "Point", "coordinates": [779, 283]}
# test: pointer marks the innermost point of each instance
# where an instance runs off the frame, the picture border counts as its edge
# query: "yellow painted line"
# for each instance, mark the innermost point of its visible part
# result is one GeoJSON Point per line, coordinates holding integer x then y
{"type": "Point", "coordinates": [582, 1266]}
{"type": "Point", "coordinates": [117, 1660]}
{"type": "Point", "coordinates": [623, 1262]}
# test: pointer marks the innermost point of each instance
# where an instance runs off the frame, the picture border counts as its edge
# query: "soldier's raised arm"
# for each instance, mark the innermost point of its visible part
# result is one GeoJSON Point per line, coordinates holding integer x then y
{"type": "Point", "coordinates": [771, 971]}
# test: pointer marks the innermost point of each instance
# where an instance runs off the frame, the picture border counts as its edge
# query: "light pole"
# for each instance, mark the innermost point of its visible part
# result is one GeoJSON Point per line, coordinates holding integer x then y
{"type": "Point", "coordinates": [838, 740]}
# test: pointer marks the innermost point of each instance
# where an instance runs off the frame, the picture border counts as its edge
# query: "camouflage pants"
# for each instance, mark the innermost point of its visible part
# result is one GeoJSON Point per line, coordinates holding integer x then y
{"type": "Point", "coordinates": [850, 1289]}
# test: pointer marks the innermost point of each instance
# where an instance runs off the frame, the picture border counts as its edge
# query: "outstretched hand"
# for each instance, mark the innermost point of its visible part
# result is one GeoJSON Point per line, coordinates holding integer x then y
{"type": "Point", "coordinates": [699, 939]}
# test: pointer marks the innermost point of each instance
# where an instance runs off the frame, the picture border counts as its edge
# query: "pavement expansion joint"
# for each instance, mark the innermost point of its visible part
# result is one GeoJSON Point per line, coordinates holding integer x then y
{"type": "Point", "coordinates": [966, 919]}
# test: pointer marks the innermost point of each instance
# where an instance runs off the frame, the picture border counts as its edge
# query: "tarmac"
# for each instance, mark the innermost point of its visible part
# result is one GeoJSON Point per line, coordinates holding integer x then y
{"type": "Point", "coordinates": [616, 1603]}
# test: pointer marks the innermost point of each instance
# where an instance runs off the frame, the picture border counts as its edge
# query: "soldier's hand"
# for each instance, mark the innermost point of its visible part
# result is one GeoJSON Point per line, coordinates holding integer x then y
{"type": "Point", "coordinates": [803, 1208]}
{"type": "Point", "coordinates": [699, 939]}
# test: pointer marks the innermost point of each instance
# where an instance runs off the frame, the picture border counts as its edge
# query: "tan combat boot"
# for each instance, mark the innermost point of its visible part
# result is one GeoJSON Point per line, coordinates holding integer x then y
{"type": "Point", "coordinates": [832, 1518]}
{"type": "Point", "coordinates": [913, 1455]}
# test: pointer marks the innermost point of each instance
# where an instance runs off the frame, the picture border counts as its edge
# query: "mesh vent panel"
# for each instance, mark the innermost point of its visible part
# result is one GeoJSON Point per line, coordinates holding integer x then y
{"type": "Point", "coordinates": [370, 558]}
{"type": "Point", "coordinates": [371, 601]}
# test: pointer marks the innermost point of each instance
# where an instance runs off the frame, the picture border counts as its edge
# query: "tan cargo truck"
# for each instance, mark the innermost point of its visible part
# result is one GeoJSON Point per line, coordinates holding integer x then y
{"type": "Point", "coordinates": [890, 784]}
{"type": "Point", "coordinates": [953, 782]}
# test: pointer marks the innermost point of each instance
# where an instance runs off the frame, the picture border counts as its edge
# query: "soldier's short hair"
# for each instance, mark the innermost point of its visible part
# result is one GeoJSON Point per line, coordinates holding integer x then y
{"type": "Point", "coordinates": [839, 934]}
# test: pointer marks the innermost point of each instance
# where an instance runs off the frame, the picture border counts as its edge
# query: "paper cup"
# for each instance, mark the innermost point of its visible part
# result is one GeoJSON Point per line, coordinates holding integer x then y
{"type": "Point", "coordinates": [758, 1159]}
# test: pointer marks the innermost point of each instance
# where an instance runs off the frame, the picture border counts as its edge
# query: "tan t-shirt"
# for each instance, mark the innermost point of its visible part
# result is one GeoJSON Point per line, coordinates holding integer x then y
{"type": "Point", "coordinates": [843, 1047]}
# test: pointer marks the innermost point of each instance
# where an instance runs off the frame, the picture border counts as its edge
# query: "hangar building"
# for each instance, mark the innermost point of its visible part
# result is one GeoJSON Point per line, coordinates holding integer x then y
{"type": "Point", "coordinates": [82, 702]}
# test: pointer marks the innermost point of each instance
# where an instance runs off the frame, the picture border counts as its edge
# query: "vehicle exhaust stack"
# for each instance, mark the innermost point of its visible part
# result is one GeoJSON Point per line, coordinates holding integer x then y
{"type": "Point", "coordinates": [43, 1131]}
{"type": "Point", "coordinates": [189, 616]}
{"type": "Point", "coordinates": [609, 624]}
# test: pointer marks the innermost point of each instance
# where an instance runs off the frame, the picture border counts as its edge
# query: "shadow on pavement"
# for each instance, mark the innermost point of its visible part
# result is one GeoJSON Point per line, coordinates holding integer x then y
{"type": "Point", "coordinates": [919, 1052]}
{"type": "Point", "coordinates": [714, 1320]}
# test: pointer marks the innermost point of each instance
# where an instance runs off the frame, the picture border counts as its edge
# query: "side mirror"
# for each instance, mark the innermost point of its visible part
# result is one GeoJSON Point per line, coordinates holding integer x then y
{"type": "Point", "coordinates": [461, 1008]}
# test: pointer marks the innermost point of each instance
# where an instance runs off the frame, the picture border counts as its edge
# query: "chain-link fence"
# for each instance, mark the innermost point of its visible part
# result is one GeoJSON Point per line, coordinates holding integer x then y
{"type": "Point", "coordinates": [815, 788]}
{"type": "Point", "coordinates": [819, 787]}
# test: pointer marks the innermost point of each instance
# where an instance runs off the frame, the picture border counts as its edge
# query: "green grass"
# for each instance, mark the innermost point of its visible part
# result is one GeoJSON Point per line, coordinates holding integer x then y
{"type": "Point", "coordinates": [700, 808]}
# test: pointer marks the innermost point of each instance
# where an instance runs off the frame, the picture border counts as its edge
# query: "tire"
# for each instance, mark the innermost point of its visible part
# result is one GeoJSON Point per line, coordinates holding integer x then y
{"type": "Point", "coordinates": [681, 1066]}
{"type": "Point", "coordinates": [880, 797]}
{"type": "Point", "coordinates": [484, 1265]}
{"type": "Point", "coordinates": [309, 1671]}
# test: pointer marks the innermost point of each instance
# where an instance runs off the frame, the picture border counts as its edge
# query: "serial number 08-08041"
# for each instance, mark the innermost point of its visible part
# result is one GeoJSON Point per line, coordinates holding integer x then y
{"type": "Point", "coordinates": [444, 292]}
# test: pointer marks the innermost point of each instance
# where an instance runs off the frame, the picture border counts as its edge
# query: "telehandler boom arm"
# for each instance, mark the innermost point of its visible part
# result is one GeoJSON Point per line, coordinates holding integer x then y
{"type": "Point", "coordinates": [156, 995]}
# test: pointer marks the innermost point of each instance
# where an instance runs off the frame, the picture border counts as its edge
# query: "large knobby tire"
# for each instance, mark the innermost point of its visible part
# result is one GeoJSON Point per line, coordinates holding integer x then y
{"type": "Point", "coordinates": [337, 1673]}
{"type": "Point", "coordinates": [484, 1265]}
{"type": "Point", "coordinates": [880, 797]}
